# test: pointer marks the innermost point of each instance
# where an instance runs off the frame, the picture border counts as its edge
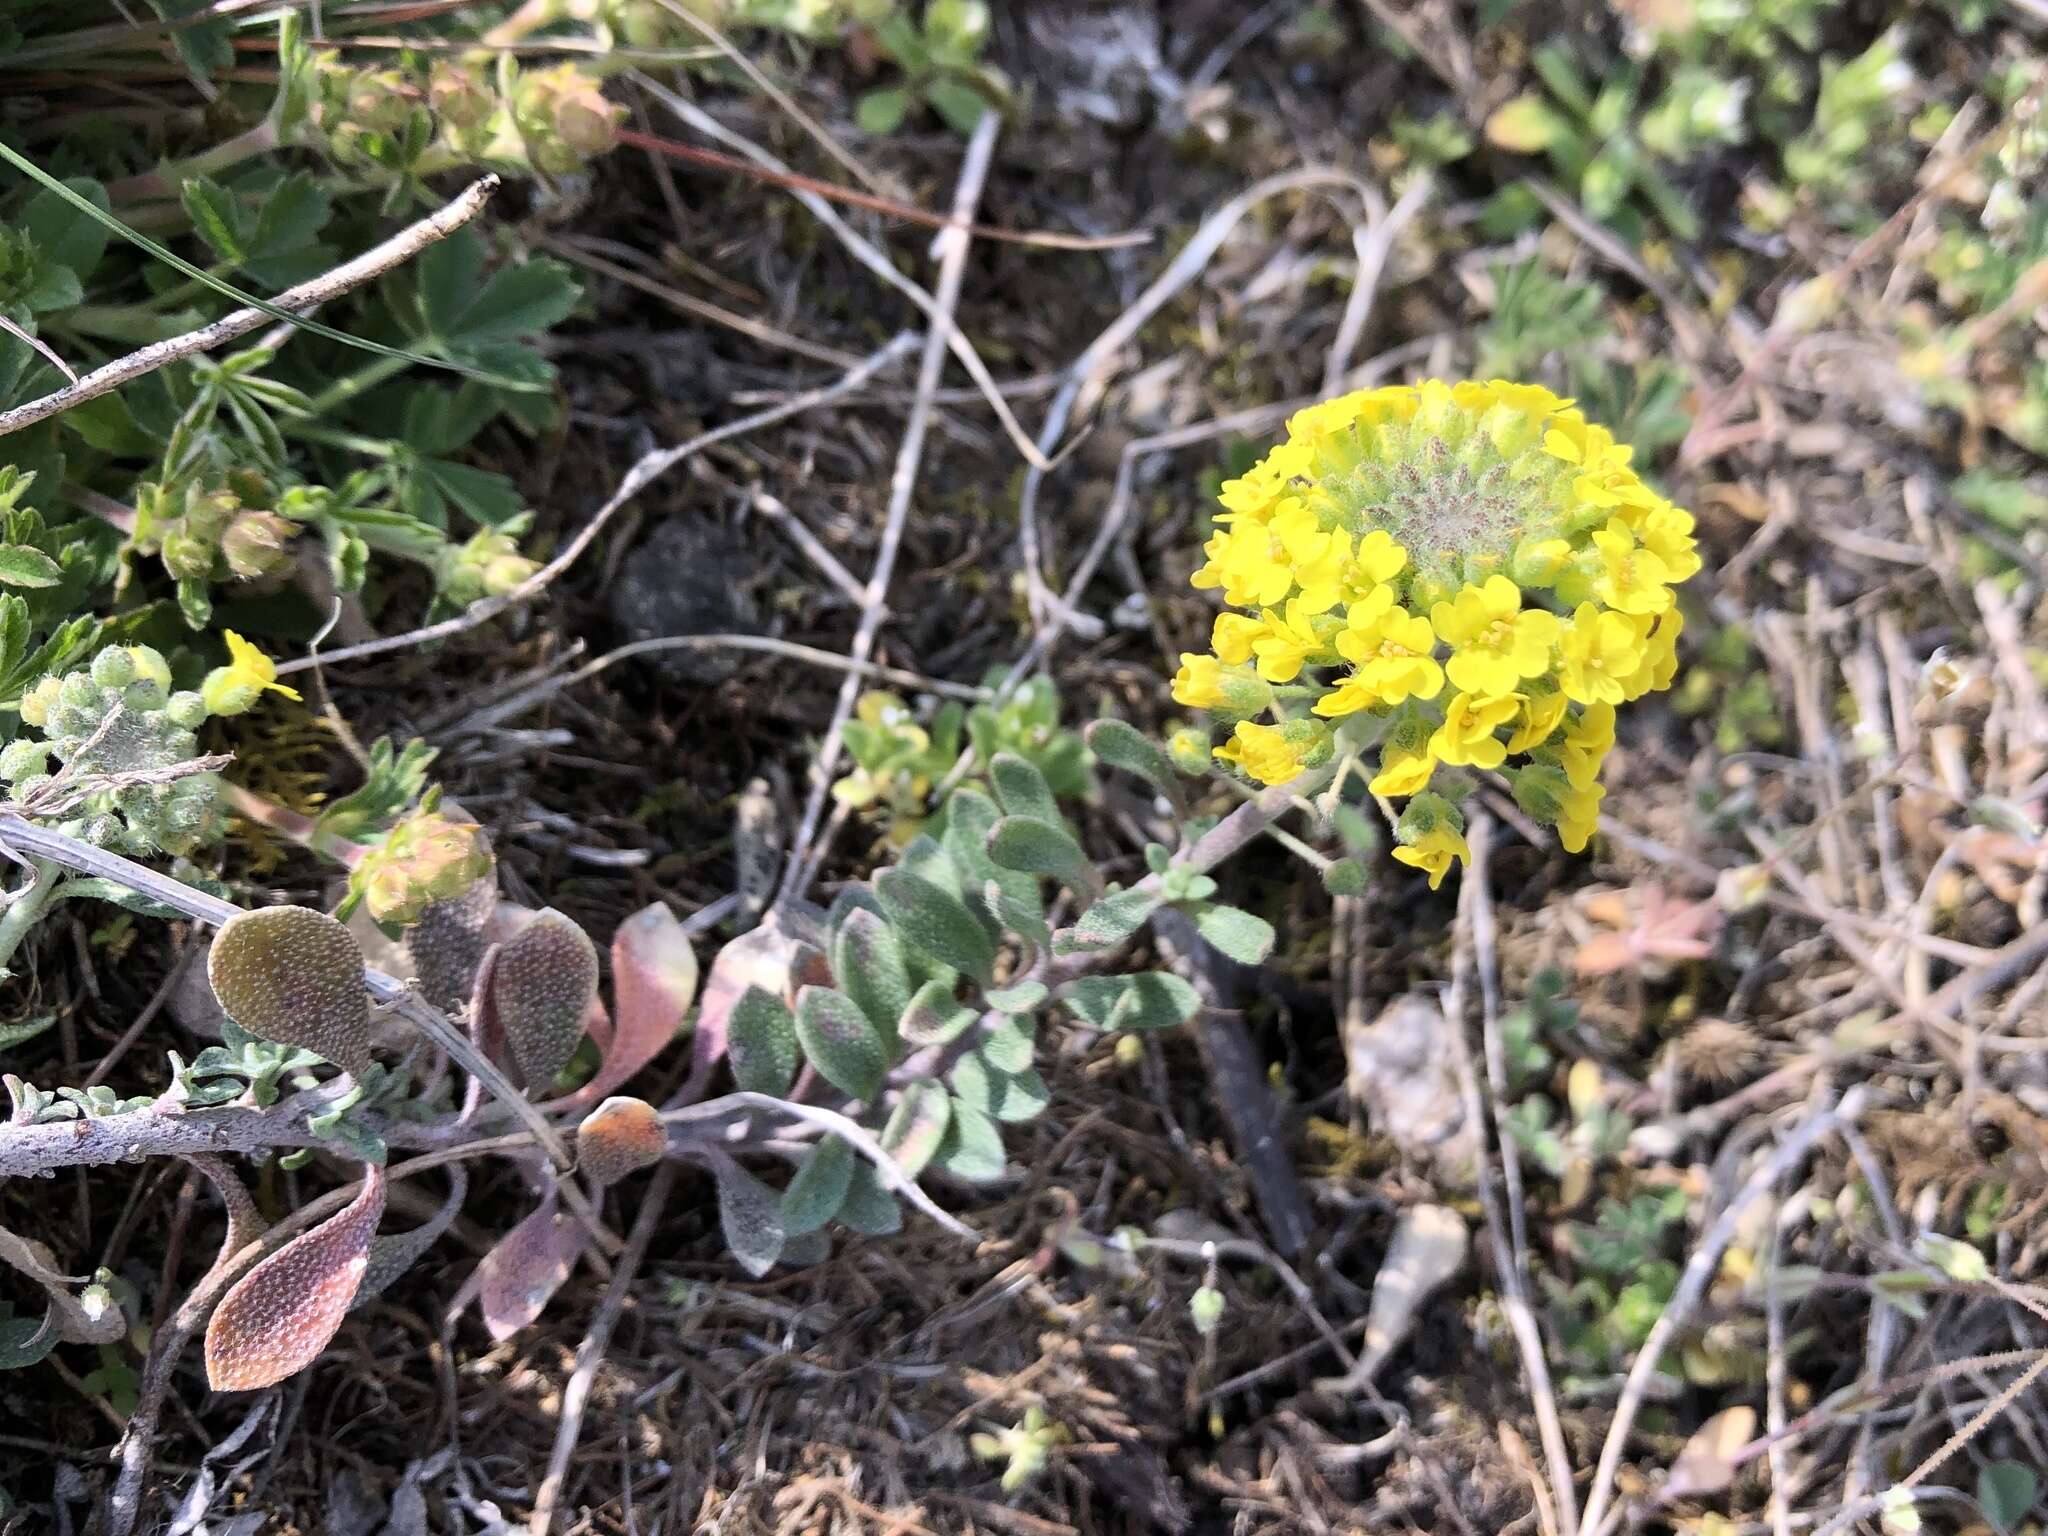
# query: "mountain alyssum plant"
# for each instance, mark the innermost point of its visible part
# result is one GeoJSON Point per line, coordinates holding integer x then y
{"type": "Point", "coordinates": [1454, 577]}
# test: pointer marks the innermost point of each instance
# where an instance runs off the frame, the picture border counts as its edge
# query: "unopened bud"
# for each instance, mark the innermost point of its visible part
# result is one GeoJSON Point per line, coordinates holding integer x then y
{"type": "Point", "coordinates": [254, 544]}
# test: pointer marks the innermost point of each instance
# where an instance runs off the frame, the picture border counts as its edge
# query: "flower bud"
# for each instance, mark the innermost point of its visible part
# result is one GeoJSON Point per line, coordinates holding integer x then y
{"type": "Point", "coordinates": [22, 759]}
{"type": "Point", "coordinates": [114, 667]}
{"type": "Point", "coordinates": [37, 703]}
{"type": "Point", "coordinates": [424, 859]}
{"type": "Point", "coordinates": [1189, 749]}
{"type": "Point", "coordinates": [254, 544]}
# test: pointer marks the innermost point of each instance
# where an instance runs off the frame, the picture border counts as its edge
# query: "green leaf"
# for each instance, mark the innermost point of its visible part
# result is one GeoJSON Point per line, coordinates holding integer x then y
{"type": "Point", "coordinates": [819, 1188]}
{"type": "Point", "coordinates": [55, 287]}
{"type": "Point", "coordinates": [24, 1341]}
{"type": "Point", "coordinates": [762, 1045]}
{"type": "Point", "coordinates": [882, 111]}
{"type": "Point", "coordinates": [917, 1126]}
{"type": "Point", "coordinates": [935, 921]}
{"type": "Point", "coordinates": [1237, 933]}
{"type": "Point", "coordinates": [839, 1041]}
{"type": "Point", "coordinates": [969, 818]}
{"type": "Point", "coordinates": [972, 1148]}
{"type": "Point", "coordinates": [1021, 998]}
{"type": "Point", "coordinates": [12, 1035]}
{"type": "Point", "coordinates": [14, 625]}
{"type": "Point", "coordinates": [1021, 789]}
{"type": "Point", "coordinates": [868, 962]}
{"type": "Point", "coordinates": [1011, 1044]}
{"type": "Point", "coordinates": [1122, 745]}
{"type": "Point", "coordinates": [750, 1214]}
{"type": "Point", "coordinates": [61, 232]}
{"type": "Point", "coordinates": [869, 1208]}
{"type": "Point", "coordinates": [1113, 919]}
{"type": "Point", "coordinates": [960, 105]}
{"type": "Point", "coordinates": [1040, 848]}
{"type": "Point", "coordinates": [2005, 1490]}
{"type": "Point", "coordinates": [935, 1016]}
{"type": "Point", "coordinates": [1007, 1096]}
{"type": "Point", "coordinates": [1148, 1000]}
{"type": "Point", "coordinates": [216, 218]}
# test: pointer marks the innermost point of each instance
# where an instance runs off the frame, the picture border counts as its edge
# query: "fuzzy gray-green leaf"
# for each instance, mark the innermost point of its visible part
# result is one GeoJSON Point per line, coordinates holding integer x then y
{"type": "Point", "coordinates": [840, 1042]}
{"type": "Point", "coordinates": [1122, 745]}
{"type": "Point", "coordinates": [972, 1148]}
{"type": "Point", "coordinates": [935, 921]}
{"type": "Point", "coordinates": [1008, 1096]}
{"type": "Point", "coordinates": [1113, 919]}
{"type": "Point", "coordinates": [1037, 847]}
{"type": "Point", "coordinates": [1237, 933]}
{"type": "Point", "coordinates": [819, 1187]}
{"type": "Point", "coordinates": [542, 985]}
{"type": "Point", "coordinates": [867, 962]}
{"type": "Point", "coordinates": [935, 1016]}
{"type": "Point", "coordinates": [761, 1045]}
{"type": "Point", "coordinates": [918, 1125]}
{"type": "Point", "coordinates": [1022, 789]}
{"type": "Point", "coordinates": [1149, 1000]}
{"type": "Point", "coordinates": [750, 1214]}
{"type": "Point", "coordinates": [869, 1208]}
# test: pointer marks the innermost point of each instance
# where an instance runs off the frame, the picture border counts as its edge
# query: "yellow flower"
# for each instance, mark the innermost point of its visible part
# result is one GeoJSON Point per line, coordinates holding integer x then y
{"type": "Point", "coordinates": [1402, 772]}
{"type": "Point", "coordinates": [1433, 851]}
{"type": "Point", "coordinates": [1659, 640]}
{"type": "Point", "coordinates": [234, 688]}
{"type": "Point", "coordinates": [1377, 559]}
{"type": "Point", "coordinates": [1199, 682]}
{"type": "Point", "coordinates": [1390, 651]}
{"type": "Point", "coordinates": [1495, 644]}
{"type": "Point", "coordinates": [1466, 738]}
{"type": "Point", "coordinates": [1587, 741]}
{"type": "Point", "coordinates": [1632, 579]}
{"type": "Point", "coordinates": [1290, 640]}
{"type": "Point", "coordinates": [1540, 716]}
{"type": "Point", "coordinates": [1666, 532]}
{"type": "Point", "coordinates": [1579, 817]}
{"type": "Point", "coordinates": [1204, 683]}
{"type": "Point", "coordinates": [1257, 564]}
{"type": "Point", "coordinates": [1232, 638]}
{"type": "Point", "coordinates": [1264, 752]}
{"type": "Point", "coordinates": [1600, 649]}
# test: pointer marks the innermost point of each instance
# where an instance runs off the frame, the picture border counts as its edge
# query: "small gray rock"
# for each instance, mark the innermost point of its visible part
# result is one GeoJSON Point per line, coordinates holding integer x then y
{"type": "Point", "coordinates": [689, 576]}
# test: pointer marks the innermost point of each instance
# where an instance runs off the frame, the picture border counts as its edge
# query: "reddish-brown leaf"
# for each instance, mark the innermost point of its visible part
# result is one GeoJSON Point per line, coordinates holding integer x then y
{"type": "Point", "coordinates": [276, 1319]}
{"type": "Point", "coordinates": [618, 1137]}
{"type": "Point", "coordinates": [519, 1275]}
{"type": "Point", "coordinates": [654, 981]}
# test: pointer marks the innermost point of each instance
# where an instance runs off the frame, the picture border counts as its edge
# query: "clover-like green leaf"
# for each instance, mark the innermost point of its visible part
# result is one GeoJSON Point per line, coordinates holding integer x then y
{"type": "Point", "coordinates": [294, 976]}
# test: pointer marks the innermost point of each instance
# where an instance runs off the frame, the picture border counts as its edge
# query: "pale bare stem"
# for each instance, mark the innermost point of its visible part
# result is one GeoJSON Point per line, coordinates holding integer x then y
{"type": "Point", "coordinates": [401, 247]}
{"type": "Point", "coordinates": [952, 242]}
{"type": "Point", "coordinates": [637, 479]}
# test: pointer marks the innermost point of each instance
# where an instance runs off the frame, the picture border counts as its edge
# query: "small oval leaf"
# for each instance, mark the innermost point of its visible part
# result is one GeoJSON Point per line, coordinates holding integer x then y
{"type": "Point", "coordinates": [750, 1215]}
{"type": "Point", "coordinates": [917, 1125]}
{"type": "Point", "coordinates": [869, 1208]}
{"type": "Point", "coordinates": [521, 1274]}
{"type": "Point", "coordinates": [294, 976]}
{"type": "Point", "coordinates": [542, 985]}
{"type": "Point", "coordinates": [839, 1041]}
{"type": "Point", "coordinates": [620, 1136]}
{"type": "Point", "coordinates": [867, 960]}
{"type": "Point", "coordinates": [935, 921]}
{"type": "Point", "coordinates": [972, 1148]}
{"type": "Point", "coordinates": [815, 1194]}
{"type": "Point", "coordinates": [654, 981]}
{"type": "Point", "coordinates": [447, 944]}
{"type": "Point", "coordinates": [276, 1319]}
{"type": "Point", "coordinates": [761, 1043]}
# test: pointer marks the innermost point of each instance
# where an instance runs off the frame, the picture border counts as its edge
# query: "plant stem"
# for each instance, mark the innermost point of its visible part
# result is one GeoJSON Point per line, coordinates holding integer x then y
{"type": "Point", "coordinates": [290, 825]}
{"type": "Point", "coordinates": [28, 907]}
{"type": "Point", "coordinates": [368, 377]}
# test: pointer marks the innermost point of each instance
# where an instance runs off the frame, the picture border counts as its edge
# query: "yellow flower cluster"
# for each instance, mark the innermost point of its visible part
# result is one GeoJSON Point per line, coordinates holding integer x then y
{"type": "Point", "coordinates": [1461, 576]}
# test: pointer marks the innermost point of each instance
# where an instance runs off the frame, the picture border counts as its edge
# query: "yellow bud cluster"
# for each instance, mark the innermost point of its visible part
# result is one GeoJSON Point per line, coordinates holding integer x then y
{"type": "Point", "coordinates": [1461, 575]}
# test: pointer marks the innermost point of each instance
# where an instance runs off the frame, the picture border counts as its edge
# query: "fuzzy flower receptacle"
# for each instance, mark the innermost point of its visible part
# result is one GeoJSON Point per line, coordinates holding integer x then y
{"type": "Point", "coordinates": [1440, 579]}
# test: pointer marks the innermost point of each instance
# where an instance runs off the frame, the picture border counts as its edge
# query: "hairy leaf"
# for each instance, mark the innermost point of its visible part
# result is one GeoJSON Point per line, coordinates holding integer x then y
{"type": "Point", "coordinates": [294, 976]}
{"type": "Point", "coordinates": [522, 1272]}
{"type": "Point", "coordinates": [1240, 935]}
{"type": "Point", "coordinates": [275, 1320]}
{"type": "Point", "coordinates": [816, 1193]}
{"type": "Point", "coordinates": [762, 1047]}
{"type": "Point", "coordinates": [869, 1208]}
{"type": "Point", "coordinates": [972, 1148]}
{"type": "Point", "coordinates": [654, 979]}
{"type": "Point", "coordinates": [447, 944]}
{"type": "Point", "coordinates": [1122, 745]}
{"type": "Point", "coordinates": [619, 1137]}
{"type": "Point", "coordinates": [935, 921]}
{"type": "Point", "coordinates": [867, 960]}
{"type": "Point", "coordinates": [918, 1125]}
{"type": "Point", "coordinates": [391, 1257]}
{"type": "Point", "coordinates": [750, 1215]}
{"type": "Point", "coordinates": [935, 1016]}
{"type": "Point", "coordinates": [542, 985]}
{"type": "Point", "coordinates": [1149, 1000]}
{"type": "Point", "coordinates": [1022, 789]}
{"type": "Point", "coordinates": [1039, 848]}
{"type": "Point", "coordinates": [840, 1042]}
